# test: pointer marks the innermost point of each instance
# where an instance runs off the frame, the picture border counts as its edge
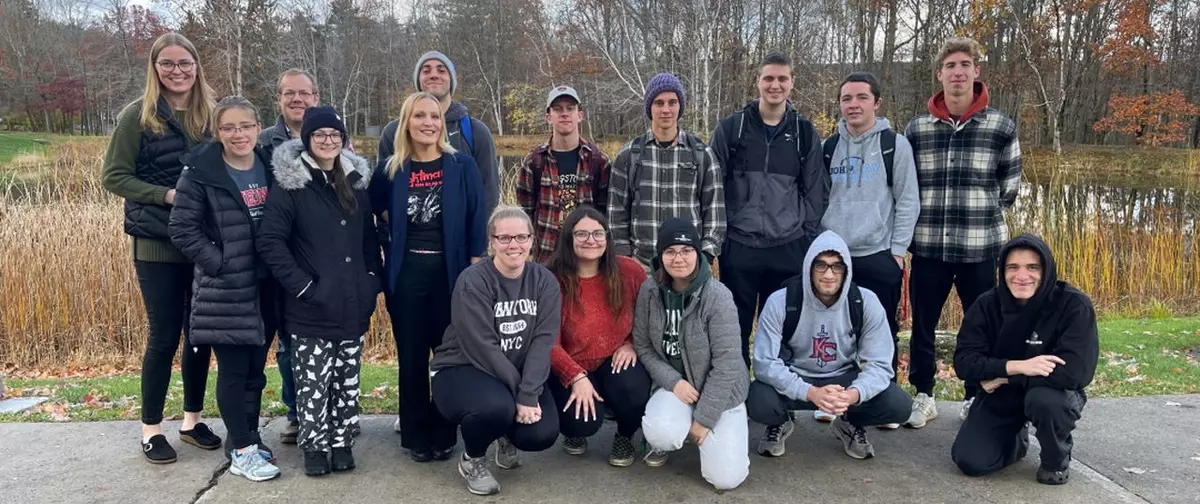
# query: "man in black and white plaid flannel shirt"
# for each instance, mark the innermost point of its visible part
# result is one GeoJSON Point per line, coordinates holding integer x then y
{"type": "Point", "coordinates": [968, 171]}
{"type": "Point", "coordinates": [662, 174]}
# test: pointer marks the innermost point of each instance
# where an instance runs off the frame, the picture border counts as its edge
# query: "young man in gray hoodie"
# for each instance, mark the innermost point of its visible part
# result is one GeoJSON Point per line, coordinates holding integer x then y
{"type": "Point", "coordinates": [873, 202]}
{"type": "Point", "coordinates": [828, 363]}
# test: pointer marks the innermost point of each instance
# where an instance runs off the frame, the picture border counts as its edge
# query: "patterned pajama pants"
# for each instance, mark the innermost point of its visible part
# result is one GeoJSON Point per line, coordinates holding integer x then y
{"type": "Point", "coordinates": [326, 391]}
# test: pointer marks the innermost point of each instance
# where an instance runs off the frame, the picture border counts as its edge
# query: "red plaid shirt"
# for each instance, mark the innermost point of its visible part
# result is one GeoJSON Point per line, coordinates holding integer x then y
{"type": "Point", "coordinates": [543, 201]}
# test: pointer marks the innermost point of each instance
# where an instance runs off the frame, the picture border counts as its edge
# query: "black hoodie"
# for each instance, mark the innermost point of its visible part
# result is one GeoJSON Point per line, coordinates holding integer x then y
{"type": "Point", "coordinates": [1058, 320]}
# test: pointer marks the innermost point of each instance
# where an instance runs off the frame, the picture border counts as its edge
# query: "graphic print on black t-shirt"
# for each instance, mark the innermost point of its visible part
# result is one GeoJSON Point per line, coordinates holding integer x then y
{"type": "Point", "coordinates": [568, 180]}
{"type": "Point", "coordinates": [424, 195]}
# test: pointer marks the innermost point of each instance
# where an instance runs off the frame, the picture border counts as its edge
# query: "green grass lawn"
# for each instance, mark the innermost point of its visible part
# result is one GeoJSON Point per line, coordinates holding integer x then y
{"type": "Point", "coordinates": [13, 144]}
{"type": "Point", "coordinates": [1137, 357]}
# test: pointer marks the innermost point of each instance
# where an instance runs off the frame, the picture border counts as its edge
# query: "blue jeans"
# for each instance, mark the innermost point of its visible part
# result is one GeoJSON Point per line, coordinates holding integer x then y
{"type": "Point", "coordinates": [283, 356]}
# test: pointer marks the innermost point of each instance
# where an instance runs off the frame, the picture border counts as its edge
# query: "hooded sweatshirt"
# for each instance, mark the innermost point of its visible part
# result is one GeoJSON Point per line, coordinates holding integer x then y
{"type": "Point", "coordinates": [823, 344]}
{"type": "Point", "coordinates": [484, 152]}
{"type": "Point", "coordinates": [1057, 320]}
{"type": "Point", "coordinates": [863, 210]}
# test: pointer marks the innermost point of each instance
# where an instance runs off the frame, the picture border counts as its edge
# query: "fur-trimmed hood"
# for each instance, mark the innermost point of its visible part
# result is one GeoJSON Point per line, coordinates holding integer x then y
{"type": "Point", "coordinates": [293, 164]}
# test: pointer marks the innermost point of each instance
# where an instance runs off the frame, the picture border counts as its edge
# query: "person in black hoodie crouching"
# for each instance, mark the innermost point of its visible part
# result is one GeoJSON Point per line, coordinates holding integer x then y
{"type": "Point", "coordinates": [219, 202]}
{"type": "Point", "coordinates": [318, 237]}
{"type": "Point", "coordinates": [1031, 343]}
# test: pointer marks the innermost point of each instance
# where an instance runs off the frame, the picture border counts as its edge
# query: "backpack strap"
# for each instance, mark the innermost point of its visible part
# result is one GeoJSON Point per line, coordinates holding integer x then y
{"type": "Point", "coordinates": [887, 144]}
{"type": "Point", "coordinates": [854, 297]}
{"type": "Point", "coordinates": [635, 155]}
{"type": "Point", "coordinates": [829, 148]}
{"type": "Point", "coordinates": [464, 125]}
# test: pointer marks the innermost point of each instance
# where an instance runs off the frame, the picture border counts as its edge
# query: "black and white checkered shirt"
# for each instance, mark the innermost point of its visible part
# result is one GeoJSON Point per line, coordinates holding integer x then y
{"type": "Point", "coordinates": [968, 174]}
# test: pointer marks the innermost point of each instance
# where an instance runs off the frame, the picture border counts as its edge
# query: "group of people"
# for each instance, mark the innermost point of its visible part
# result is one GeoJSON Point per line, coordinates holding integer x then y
{"type": "Point", "coordinates": [596, 296]}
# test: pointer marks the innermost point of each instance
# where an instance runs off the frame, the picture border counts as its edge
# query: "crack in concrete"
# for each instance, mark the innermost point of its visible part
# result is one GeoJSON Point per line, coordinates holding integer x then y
{"type": "Point", "coordinates": [212, 482]}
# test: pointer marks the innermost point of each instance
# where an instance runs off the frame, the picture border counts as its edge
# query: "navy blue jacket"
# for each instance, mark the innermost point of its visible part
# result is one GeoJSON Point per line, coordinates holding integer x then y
{"type": "Point", "coordinates": [464, 216]}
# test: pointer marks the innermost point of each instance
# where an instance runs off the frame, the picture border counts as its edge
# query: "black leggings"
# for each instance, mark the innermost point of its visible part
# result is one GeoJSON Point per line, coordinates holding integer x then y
{"type": "Point", "coordinates": [486, 410]}
{"type": "Point", "coordinates": [625, 393]}
{"type": "Point", "coordinates": [167, 293]}
{"type": "Point", "coordinates": [420, 312]}
{"type": "Point", "coordinates": [240, 382]}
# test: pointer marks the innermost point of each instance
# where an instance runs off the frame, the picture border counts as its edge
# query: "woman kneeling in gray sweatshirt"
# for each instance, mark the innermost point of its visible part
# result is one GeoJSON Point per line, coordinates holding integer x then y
{"type": "Point", "coordinates": [685, 333]}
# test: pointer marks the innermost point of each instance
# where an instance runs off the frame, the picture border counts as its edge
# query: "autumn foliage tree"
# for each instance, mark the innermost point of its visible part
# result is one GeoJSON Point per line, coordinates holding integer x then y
{"type": "Point", "coordinates": [1152, 119]}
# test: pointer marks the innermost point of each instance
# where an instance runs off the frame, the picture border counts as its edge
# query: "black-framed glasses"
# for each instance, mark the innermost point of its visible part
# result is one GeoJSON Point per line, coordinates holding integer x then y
{"type": "Point", "coordinates": [506, 239]}
{"type": "Point", "coordinates": [821, 268]}
{"type": "Point", "coordinates": [685, 252]}
{"type": "Point", "coordinates": [598, 235]}
{"type": "Point", "coordinates": [170, 66]}
{"type": "Point", "coordinates": [334, 137]}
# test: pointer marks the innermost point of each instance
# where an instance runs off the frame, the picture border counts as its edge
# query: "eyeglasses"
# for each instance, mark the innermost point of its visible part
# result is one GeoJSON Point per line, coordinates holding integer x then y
{"type": "Point", "coordinates": [184, 66]}
{"type": "Point", "coordinates": [291, 93]}
{"type": "Point", "coordinates": [506, 239]}
{"type": "Point", "coordinates": [229, 129]}
{"type": "Point", "coordinates": [821, 268]}
{"type": "Point", "coordinates": [686, 252]}
{"type": "Point", "coordinates": [597, 235]}
{"type": "Point", "coordinates": [334, 137]}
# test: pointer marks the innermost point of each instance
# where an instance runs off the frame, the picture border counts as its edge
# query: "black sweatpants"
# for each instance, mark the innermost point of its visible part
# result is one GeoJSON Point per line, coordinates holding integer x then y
{"type": "Point", "coordinates": [625, 393]}
{"type": "Point", "coordinates": [753, 274]}
{"type": "Point", "coordinates": [486, 411]}
{"type": "Point", "coordinates": [880, 274]}
{"type": "Point", "coordinates": [167, 294]}
{"type": "Point", "coordinates": [420, 312]}
{"type": "Point", "coordinates": [240, 373]}
{"type": "Point", "coordinates": [928, 288]}
{"type": "Point", "coordinates": [994, 435]}
{"type": "Point", "coordinates": [767, 406]}
{"type": "Point", "coordinates": [326, 390]}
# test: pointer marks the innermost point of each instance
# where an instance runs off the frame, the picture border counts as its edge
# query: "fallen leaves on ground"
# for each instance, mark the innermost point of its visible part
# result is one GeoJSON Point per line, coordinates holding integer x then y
{"type": "Point", "coordinates": [1134, 470]}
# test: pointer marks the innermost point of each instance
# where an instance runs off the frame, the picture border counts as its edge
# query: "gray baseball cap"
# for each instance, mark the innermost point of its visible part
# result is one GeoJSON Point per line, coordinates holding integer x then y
{"type": "Point", "coordinates": [561, 91]}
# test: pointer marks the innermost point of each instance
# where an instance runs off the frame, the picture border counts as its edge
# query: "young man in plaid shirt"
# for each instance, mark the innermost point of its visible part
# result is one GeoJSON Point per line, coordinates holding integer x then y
{"type": "Point", "coordinates": [562, 173]}
{"type": "Point", "coordinates": [662, 174]}
{"type": "Point", "coordinates": [968, 171]}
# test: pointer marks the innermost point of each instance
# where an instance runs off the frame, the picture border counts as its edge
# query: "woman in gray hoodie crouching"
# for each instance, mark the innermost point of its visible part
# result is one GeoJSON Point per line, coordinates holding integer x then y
{"type": "Point", "coordinates": [685, 333]}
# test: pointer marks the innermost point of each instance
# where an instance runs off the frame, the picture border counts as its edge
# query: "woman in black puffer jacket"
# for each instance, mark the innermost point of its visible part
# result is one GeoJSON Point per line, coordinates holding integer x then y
{"type": "Point", "coordinates": [219, 202]}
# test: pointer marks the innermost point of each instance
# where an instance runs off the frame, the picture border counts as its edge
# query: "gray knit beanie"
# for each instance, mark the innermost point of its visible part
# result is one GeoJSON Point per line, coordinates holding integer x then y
{"type": "Point", "coordinates": [445, 61]}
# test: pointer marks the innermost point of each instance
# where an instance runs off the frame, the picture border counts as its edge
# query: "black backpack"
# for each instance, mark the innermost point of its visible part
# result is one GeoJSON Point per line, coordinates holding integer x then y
{"type": "Point", "coordinates": [795, 303]}
{"type": "Point", "coordinates": [887, 144]}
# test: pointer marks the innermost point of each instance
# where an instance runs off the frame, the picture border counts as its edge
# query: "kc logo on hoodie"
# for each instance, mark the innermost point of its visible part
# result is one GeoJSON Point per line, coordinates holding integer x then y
{"type": "Point", "coordinates": [824, 349]}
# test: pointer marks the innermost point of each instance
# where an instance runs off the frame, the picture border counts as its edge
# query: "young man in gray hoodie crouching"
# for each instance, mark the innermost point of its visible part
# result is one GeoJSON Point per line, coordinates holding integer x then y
{"type": "Point", "coordinates": [836, 356]}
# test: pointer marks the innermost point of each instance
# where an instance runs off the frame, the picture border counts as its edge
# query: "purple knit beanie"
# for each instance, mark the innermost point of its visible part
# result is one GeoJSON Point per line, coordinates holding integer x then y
{"type": "Point", "coordinates": [663, 83]}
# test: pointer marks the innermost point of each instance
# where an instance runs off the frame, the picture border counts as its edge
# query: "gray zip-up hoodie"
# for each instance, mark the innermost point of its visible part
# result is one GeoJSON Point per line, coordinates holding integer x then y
{"type": "Point", "coordinates": [823, 345]}
{"type": "Point", "coordinates": [711, 342]}
{"type": "Point", "coordinates": [863, 210]}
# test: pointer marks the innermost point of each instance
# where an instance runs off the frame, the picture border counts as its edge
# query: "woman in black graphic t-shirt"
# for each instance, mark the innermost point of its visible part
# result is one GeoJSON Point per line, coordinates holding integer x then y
{"type": "Point", "coordinates": [432, 201]}
{"type": "Point", "coordinates": [491, 371]}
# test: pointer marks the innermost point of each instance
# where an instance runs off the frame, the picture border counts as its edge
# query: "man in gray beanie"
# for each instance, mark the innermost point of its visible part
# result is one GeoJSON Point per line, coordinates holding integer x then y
{"type": "Point", "coordinates": [681, 174]}
{"type": "Point", "coordinates": [435, 74]}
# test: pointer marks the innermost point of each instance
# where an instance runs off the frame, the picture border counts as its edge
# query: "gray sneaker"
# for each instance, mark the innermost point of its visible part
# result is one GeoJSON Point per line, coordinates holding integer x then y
{"type": "Point", "coordinates": [506, 454]}
{"type": "Point", "coordinates": [253, 465]}
{"type": "Point", "coordinates": [575, 445]}
{"type": "Point", "coordinates": [772, 442]}
{"type": "Point", "coordinates": [854, 439]}
{"type": "Point", "coordinates": [479, 478]}
{"type": "Point", "coordinates": [654, 457]}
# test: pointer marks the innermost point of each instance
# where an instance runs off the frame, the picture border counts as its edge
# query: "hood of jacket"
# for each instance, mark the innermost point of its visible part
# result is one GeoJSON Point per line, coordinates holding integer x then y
{"type": "Point", "coordinates": [671, 298]}
{"type": "Point", "coordinates": [455, 112]}
{"type": "Point", "coordinates": [1043, 296]}
{"type": "Point", "coordinates": [293, 165]}
{"type": "Point", "coordinates": [937, 104]}
{"type": "Point", "coordinates": [827, 241]}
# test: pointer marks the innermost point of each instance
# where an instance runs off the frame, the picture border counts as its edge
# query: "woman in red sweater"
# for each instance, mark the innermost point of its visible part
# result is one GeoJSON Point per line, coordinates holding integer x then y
{"type": "Point", "coordinates": [593, 360]}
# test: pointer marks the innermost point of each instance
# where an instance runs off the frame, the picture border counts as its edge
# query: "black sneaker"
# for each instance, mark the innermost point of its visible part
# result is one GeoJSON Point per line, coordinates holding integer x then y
{"type": "Point", "coordinates": [291, 431]}
{"type": "Point", "coordinates": [575, 445]}
{"type": "Point", "coordinates": [342, 459]}
{"type": "Point", "coordinates": [622, 451]}
{"type": "Point", "coordinates": [158, 451]}
{"type": "Point", "coordinates": [354, 430]}
{"type": "Point", "coordinates": [316, 463]}
{"type": "Point", "coordinates": [201, 437]}
{"type": "Point", "coordinates": [421, 456]}
{"type": "Point", "coordinates": [443, 455]}
{"type": "Point", "coordinates": [1048, 477]}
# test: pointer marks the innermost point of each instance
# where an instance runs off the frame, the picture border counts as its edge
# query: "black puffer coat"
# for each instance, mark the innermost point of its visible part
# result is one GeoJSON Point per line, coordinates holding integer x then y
{"type": "Point", "coordinates": [327, 260]}
{"type": "Point", "coordinates": [210, 223]}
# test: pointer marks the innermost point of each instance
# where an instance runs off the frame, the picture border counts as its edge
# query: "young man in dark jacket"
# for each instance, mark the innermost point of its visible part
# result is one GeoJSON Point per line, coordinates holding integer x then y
{"type": "Point", "coordinates": [776, 191]}
{"type": "Point", "coordinates": [565, 172]}
{"type": "Point", "coordinates": [435, 74]}
{"type": "Point", "coordinates": [1032, 345]}
{"type": "Point", "coordinates": [968, 172]}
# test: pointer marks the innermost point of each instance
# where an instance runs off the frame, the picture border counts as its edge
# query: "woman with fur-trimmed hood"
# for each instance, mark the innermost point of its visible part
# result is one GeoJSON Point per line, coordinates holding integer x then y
{"type": "Point", "coordinates": [318, 237]}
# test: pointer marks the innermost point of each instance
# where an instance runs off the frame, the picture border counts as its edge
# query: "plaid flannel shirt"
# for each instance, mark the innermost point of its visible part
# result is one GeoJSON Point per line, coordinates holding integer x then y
{"type": "Point", "coordinates": [968, 174]}
{"type": "Point", "coordinates": [545, 208]}
{"type": "Point", "coordinates": [677, 181]}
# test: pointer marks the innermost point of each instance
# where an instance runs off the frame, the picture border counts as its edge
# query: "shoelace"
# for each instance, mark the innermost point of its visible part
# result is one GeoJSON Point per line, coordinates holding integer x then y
{"type": "Point", "coordinates": [476, 468]}
{"type": "Point", "coordinates": [774, 433]}
{"type": "Point", "coordinates": [860, 435]}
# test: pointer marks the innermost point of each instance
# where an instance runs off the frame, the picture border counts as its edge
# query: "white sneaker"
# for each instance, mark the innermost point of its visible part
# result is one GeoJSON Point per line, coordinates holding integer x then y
{"type": "Point", "coordinates": [888, 426]}
{"type": "Point", "coordinates": [924, 409]}
{"type": "Point", "coordinates": [822, 416]}
{"type": "Point", "coordinates": [396, 426]}
{"type": "Point", "coordinates": [966, 409]}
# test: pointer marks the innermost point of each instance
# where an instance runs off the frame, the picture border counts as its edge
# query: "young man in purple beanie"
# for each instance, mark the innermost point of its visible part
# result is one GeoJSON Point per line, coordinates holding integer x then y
{"type": "Point", "coordinates": [665, 173]}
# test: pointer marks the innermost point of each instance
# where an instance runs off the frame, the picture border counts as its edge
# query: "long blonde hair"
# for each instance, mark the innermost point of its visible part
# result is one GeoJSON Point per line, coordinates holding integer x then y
{"type": "Point", "coordinates": [200, 101]}
{"type": "Point", "coordinates": [402, 142]}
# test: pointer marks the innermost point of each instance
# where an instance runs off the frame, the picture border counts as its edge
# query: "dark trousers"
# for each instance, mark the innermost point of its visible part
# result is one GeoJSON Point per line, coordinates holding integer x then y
{"type": "Point", "coordinates": [767, 406]}
{"type": "Point", "coordinates": [880, 274]}
{"type": "Point", "coordinates": [486, 411]}
{"type": "Point", "coordinates": [753, 274]}
{"type": "Point", "coordinates": [283, 358]}
{"type": "Point", "coordinates": [927, 291]}
{"type": "Point", "coordinates": [167, 293]}
{"type": "Point", "coordinates": [420, 311]}
{"type": "Point", "coordinates": [994, 435]}
{"type": "Point", "coordinates": [240, 374]}
{"type": "Point", "coordinates": [625, 393]}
